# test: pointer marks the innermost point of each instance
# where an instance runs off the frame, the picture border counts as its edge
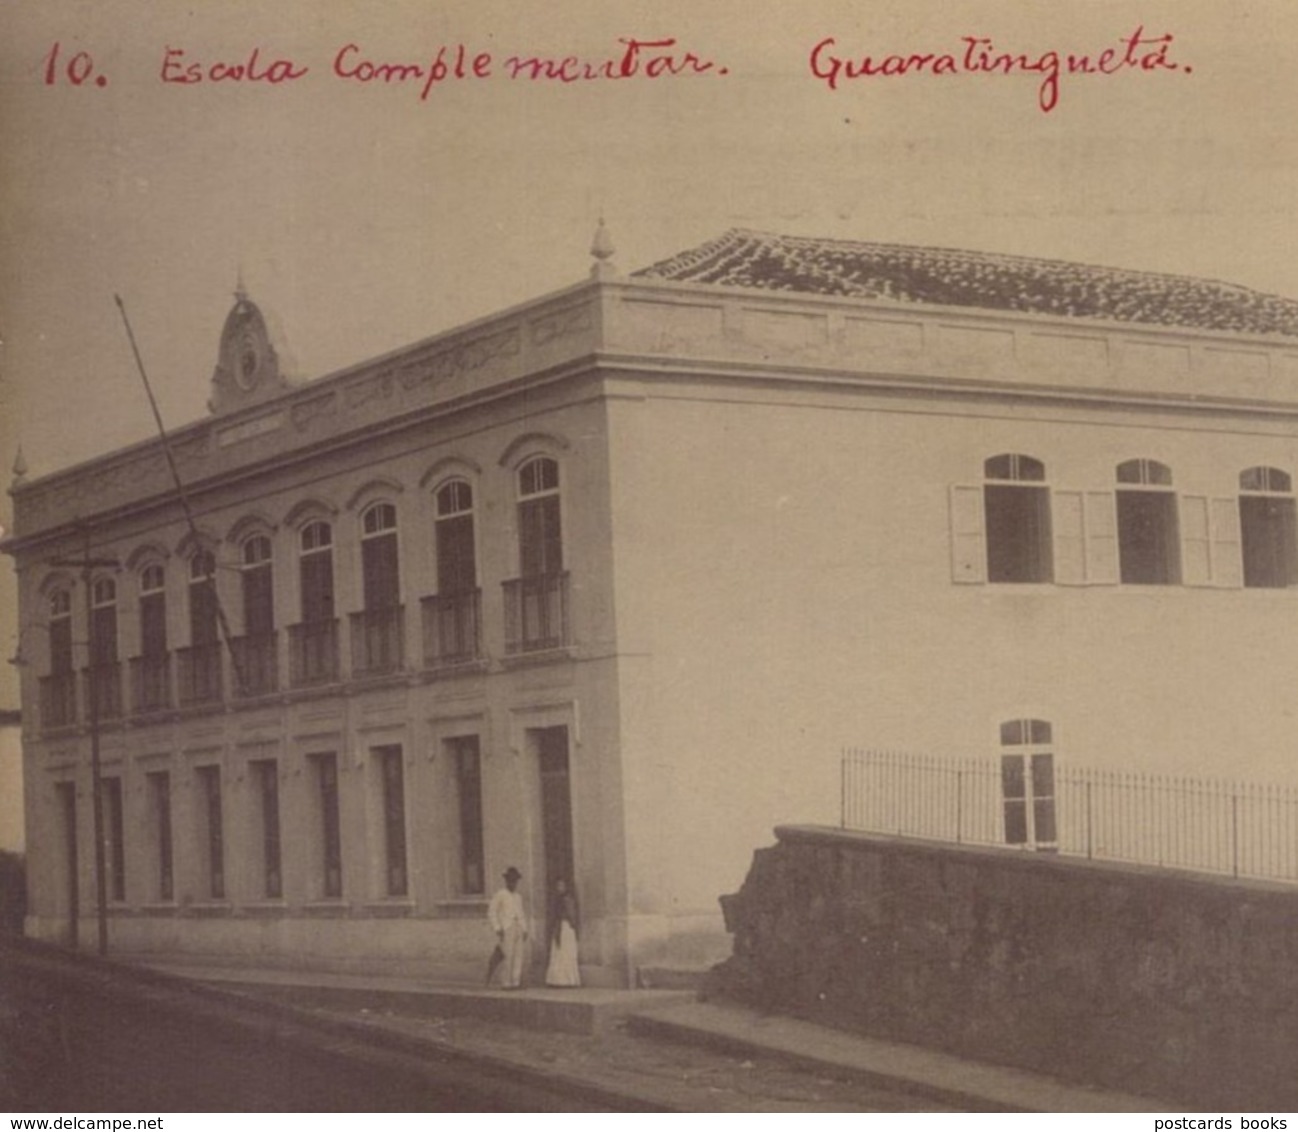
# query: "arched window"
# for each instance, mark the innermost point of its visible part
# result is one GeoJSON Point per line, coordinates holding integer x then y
{"type": "Point", "coordinates": [103, 622]}
{"type": "Point", "coordinates": [202, 598]}
{"type": "Point", "coordinates": [61, 631]}
{"type": "Point", "coordinates": [536, 605]}
{"type": "Point", "coordinates": [316, 572]}
{"type": "Point", "coordinates": [1017, 507]}
{"type": "Point", "coordinates": [199, 669]}
{"type": "Point", "coordinates": [255, 659]}
{"type": "Point", "coordinates": [377, 633]}
{"type": "Point", "coordinates": [540, 538]}
{"type": "Point", "coordinates": [379, 569]}
{"type": "Point", "coordinates": [150, 679]}
{"type": "Point", "coordinates": [258, 587]}
{"type": "Point", "coordinates": [313, 656]}
{"type": "Point", "coordinates": [1266, 519]}
{"type": "Point", "coordinates": [153, 611]}
{"type": "Point", "coordinates": [456, 561]}
{"type": "Point", "coordinates": [1149, 544]}
{"type": "Point", "coordinates": [58, 690]}
{"type": "Point", "coordinates": [1028, 783]}
{"type": "Point", "coordinates": [451, 618]}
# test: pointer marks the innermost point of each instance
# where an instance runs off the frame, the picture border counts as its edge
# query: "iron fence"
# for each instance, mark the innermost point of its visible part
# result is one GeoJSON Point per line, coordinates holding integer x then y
{"type": "Point", "coordinates": [1240, 829]}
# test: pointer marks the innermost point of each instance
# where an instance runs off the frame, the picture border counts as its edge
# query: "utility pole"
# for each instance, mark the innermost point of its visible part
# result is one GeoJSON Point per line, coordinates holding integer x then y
{"type": "Point", "coordinates": [88, 565]}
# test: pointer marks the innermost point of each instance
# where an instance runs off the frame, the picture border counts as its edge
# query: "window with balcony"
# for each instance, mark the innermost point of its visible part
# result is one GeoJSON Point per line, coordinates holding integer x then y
{"type": "Point", "coordinates": [1149, 541]}
{"type": "Point", "coordinates": [313, 657]}
{"type": "Point", "coordinates": [150, 677]}
{"type": "Point", "coordinates": [536, 603]}
{"type": "Point", "coordinates": [254, 655]}
{"type": "Point", "coordinates": [58, 690]}
{"type": "Point", "coordinates": [1017, 508]}
{"type": "Point", "coordinates": [1028, 783]}
{"type": "Point", "coordinates": [199, 671]}
{"type": "Point", "coordinates": [103, 676]}
{"type": "Point", "coordinates": [377, 638]}
{"type": "Point", "coordinates": [1267, 528]}
{"type": "Point", "coordinates": [452, 615]}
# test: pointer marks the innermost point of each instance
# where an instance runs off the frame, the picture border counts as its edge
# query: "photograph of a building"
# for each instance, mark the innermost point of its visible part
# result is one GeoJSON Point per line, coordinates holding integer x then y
{"type": "Point", "coordinates": [600, 586]}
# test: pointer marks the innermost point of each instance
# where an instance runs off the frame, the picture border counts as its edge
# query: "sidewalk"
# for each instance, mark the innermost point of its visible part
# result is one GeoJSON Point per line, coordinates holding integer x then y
{"type": "Point", "coordinates": [677, 1016]}
{"type": "Point", "coordinates": [968, 1085]}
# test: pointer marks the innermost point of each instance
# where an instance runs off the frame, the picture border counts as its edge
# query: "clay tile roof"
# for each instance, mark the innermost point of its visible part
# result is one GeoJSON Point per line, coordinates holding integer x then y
{"type": "Point", "coordinates": [898, 272]}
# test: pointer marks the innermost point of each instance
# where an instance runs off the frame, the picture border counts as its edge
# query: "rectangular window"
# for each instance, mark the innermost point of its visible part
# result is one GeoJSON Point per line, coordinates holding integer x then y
{"type": "Point", "coordinates": [60, 645]}
{"type": "Point", "coordinates": [160, 805]}
{"type": "Point", "coordinates": [265, 774]}
{"type": "Point", "coordinates": [209, 780]}
{"type": "Point", "coordinates": [153, 624]}
{"type": "Point", "coordinates": [115, 837]}
{"type": "Point", "coordinates": [1018, 533]}
{"type": "Point", "coordinates": [457, 570]}
{"type": "Point", "coordinates": [540, 538]}
{"type": "Point", "coordinates": [202, 612]}
{"type": "Point", "coordinates": [258, 601]}
{"type": "Point", "coordinates": [317, 582]}
{"type": "Point", "coordinates": [1028, 797]}
{"type": "Point", "coordinates": [379, 572]}
{"type": "Point", "coordinates": [1149, 551]}
{"type": "Point", "coordinates": [1268, 530]}
{"type": "Point", "coordinates": [331, 855]}
{"type": "Point", "coordinates": [467, 765]}
{"type": "Point", "coordinates": [394, 818]}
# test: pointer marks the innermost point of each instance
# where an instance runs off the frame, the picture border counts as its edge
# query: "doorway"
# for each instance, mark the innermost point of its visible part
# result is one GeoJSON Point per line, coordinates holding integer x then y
{"type": "Point", "coordinates": [556, 805]}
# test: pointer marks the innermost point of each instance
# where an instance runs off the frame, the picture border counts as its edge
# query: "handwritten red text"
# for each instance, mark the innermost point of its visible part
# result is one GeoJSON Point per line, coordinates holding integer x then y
{"type": "Point", "coordinates": [456, 62]}
{"type": "Point", "coordinates": [647, 58]}
{"type": "Point", "coordinates": [979, 56]}
{"type": "Point", "coordinates": [177, 69]}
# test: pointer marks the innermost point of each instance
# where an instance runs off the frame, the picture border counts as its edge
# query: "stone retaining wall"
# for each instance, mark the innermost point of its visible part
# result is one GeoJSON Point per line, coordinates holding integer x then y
{"type": "Point", "coordinates": [1154, 982]}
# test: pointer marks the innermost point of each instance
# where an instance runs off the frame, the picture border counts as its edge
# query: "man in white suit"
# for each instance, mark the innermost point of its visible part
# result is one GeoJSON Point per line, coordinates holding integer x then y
{"type": "Point", "coordinates": [508, 920]}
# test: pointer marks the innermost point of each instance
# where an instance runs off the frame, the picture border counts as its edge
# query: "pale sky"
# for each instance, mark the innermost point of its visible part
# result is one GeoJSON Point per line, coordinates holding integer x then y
{"type": "Point", "coordinates": [362, 217]}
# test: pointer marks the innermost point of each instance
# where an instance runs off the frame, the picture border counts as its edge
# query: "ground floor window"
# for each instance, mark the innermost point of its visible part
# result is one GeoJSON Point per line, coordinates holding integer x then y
{"type": "Point", "coordinates": [467, 766]}
{"type": "Point", "coordinates": [265, 773]}
{"type": "Point", "coordinates": [331, 851]}
{"type": "Point", "coordinates": [394, 818]}
{"type": "Point", "coordinates": [1028, 783]}
{"type": "Point", "coordinates": [160, 815]}
{"type": "Point", "coordinates": [212, 836]}
{"type": "Point", "coordinates": [114, 837]}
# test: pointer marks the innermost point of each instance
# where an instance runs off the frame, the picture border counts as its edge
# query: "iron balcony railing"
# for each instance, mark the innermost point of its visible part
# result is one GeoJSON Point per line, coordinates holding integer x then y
{"type": "Point", "coordinates": [378, 641]}
{"type": "Point", "coordinates": [58, 699]}
{"type": "Point", "coordinates": [313, 653]}
{"type": "Point", "coordinates": [536, 613]}
{"type": "Point", "coordinates": [452, 628]}
{"type": "Point", "coordinates": [254, 662]}
{"type": "Point", "coordinates": [105, 684]}
{"type": "Point", "coordinates": [151, 683]}
{"type": "Point", "coordinates": [1205, 825]}
{"type": "Point", "coordinates": [198, 674]}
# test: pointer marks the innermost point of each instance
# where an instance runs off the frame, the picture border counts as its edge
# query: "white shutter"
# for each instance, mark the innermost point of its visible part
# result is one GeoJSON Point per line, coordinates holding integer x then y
{"type": "Point", "coordinates": [1101, 526]}
{"type": "Point", "coordinates": [1227, 550]}
{"type": "Point", "coordinates": [1068, 520]}
{"type": "Point", "coordinates": [1196, 541]}
{"type": "Point", "coordinates": [968, 534]}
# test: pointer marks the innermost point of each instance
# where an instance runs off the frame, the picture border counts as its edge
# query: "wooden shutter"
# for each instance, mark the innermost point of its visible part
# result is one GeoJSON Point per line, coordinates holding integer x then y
{"type": "Point", "coordinates": [968, 534]}
{"type": "Point", "coordinates": [1227, 555]}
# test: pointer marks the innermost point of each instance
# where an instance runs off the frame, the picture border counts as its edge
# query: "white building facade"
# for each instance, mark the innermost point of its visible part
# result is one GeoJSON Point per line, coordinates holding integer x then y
{"type": "Point", "coordinates": [600, 586]}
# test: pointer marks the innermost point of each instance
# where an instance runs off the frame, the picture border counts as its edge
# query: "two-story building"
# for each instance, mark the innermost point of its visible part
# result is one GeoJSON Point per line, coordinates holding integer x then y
{"type": "Point", "coordinates": [600, 585]}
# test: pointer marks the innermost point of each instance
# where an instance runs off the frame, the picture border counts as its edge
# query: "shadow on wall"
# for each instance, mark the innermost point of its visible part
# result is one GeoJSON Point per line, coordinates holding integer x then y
{"type": "Point", "coordinates": [13, 893]}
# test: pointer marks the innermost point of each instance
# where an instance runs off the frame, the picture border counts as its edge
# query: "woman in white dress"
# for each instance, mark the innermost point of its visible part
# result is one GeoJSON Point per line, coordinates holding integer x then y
{"type": "Point", "coordinates": [562, 971]}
